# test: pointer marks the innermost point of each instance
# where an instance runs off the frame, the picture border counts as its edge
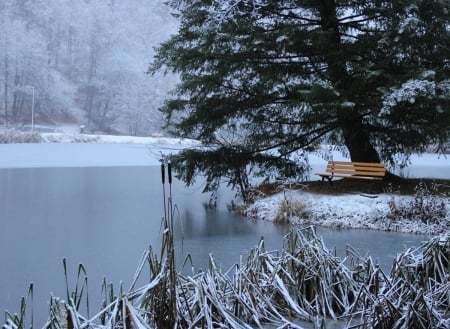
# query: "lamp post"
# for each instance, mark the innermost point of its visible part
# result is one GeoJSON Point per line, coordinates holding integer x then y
{"type": "Point", "coordinates": [32, 109]}
{"type": "Point", "coordinates": [5, 86]}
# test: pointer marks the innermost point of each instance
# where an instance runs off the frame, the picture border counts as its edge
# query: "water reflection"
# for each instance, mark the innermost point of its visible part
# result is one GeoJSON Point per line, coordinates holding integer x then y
{"type": "Point", "coordinates": [225, 236]}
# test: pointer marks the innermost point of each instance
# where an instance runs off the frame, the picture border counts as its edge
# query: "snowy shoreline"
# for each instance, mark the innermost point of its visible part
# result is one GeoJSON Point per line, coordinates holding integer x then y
{"type": "Point", "coordinates": [336, 211]}
{"type": "Point", "coordinates": [84, 150]}
{"type": "Point", "coordinates": [345, 211]}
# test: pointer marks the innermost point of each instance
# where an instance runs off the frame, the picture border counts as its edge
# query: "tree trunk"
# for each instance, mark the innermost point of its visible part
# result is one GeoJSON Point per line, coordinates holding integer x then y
{"type": "Point", "coordinates": [355, 135]}
{"type": "Point", "coordinates": [357, 140]}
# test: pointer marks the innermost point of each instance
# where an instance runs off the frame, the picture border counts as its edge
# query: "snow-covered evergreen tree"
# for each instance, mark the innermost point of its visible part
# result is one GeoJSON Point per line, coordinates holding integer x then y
{"type": "Point", "coordinates": [262, 80]}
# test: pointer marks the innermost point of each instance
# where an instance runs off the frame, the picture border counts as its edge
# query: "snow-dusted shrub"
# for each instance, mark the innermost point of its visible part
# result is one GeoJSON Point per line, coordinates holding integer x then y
{"type": "Point", "coordinates": [8, 136]}
{"type": "Point", "coordinates": [427, 205]}
{"type": "Point", "coordinates": [290, 208]}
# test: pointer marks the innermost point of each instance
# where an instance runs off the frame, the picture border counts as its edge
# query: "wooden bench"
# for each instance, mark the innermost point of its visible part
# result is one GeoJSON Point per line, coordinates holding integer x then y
{"type": "Point", "coordinates": [354, 170]}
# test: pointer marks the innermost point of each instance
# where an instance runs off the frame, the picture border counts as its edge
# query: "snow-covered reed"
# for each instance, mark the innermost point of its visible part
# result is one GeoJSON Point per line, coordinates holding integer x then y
{"type": "Point", "coordinates": [303, 281]}
{"type": "Point", "coordinates": [416, 294]}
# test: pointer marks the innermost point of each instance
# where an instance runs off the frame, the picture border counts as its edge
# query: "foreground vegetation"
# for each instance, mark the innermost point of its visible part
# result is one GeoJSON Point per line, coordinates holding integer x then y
{"type": "Point", "coordinates": [305, 281]}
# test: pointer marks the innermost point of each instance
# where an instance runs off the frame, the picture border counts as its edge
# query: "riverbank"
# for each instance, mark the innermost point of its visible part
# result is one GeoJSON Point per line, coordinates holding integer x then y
{"type": "Point", "coordinates": [421, 213]}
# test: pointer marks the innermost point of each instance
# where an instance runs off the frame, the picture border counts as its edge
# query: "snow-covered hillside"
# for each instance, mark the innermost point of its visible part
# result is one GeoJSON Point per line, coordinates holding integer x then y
{"type": "Point", "coordinates": [83, 62]}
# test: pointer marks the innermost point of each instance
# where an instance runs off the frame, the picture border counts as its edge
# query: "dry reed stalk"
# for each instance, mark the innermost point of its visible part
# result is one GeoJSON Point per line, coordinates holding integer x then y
{"type": "Point", "coordinates": [303, 281]}
{"type": "Point", "coordinates": [416, 294]}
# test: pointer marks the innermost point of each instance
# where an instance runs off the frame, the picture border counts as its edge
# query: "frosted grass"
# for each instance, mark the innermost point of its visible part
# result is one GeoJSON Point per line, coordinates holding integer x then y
{"type": "Point", "coordinates": [303, 281]}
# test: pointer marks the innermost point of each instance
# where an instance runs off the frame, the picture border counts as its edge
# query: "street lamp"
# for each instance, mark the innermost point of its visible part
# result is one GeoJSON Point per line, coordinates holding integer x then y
{"type": "Point", "coordinates": [32, 109]}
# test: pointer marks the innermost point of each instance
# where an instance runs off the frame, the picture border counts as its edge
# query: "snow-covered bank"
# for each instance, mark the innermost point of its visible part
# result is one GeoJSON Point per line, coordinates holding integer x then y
{"type": "Point", "coordinates": [356, 210]}
{"type": "Point", "coordinates": [112, 139]}
{"type": "Point", "coordinates": [82, 150]}
{"type": "Point", "coordinates": [344, 211]}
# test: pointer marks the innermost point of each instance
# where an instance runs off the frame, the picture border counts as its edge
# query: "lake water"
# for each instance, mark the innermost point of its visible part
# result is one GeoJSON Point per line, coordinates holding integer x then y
{"type": "Point", "coordinates": [104, 218]}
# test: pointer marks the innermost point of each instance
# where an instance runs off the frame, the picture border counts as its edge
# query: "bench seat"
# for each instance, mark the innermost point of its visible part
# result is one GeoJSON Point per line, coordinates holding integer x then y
{"type": "Point", "coordinates": [354, 170]}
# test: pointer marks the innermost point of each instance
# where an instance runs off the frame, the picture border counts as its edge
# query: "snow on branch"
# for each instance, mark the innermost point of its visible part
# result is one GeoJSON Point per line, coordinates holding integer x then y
{"type": "Point", "coordinates": [223, 10]}
{"type": "Point", "coordinates": [412, 89]}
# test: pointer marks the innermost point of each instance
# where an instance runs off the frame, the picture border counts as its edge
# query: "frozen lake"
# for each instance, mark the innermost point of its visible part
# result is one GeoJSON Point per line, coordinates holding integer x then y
{"type": "Point", "coordinates": [59, 155]}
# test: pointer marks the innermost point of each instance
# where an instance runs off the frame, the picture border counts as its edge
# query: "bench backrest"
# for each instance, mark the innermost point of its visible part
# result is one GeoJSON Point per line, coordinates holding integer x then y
{"type": "Point", "coordinates": [356, 168]}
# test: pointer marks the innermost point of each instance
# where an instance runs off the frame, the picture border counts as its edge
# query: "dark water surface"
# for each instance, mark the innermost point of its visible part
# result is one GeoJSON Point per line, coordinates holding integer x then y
{"type": "Point", "coordinates": [105, 218]}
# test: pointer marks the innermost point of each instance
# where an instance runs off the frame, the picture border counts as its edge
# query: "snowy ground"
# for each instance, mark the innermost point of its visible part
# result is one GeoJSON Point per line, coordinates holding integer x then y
{"type": "Point", "coordinates": [345, 211]}
{"type": "Point", "coordinates": [340, 211]}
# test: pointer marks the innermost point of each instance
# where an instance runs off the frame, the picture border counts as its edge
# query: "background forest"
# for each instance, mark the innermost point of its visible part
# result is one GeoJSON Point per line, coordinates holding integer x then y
{"type": "Point", "coordinates": [85, 61]}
